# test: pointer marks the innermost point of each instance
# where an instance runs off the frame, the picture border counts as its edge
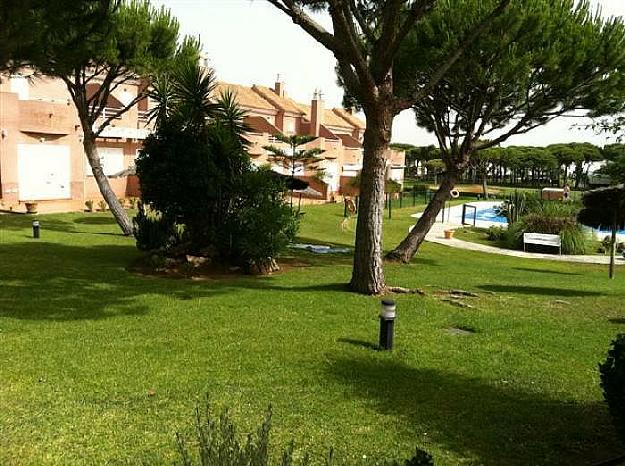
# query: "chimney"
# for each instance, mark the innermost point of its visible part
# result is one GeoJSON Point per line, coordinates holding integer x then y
{"type": "Point", "coordinates": [316, 113]}
{"type": "Point", "coordinates": [279, 87]}
{"type": "Point", "coordinates": [203, 60]}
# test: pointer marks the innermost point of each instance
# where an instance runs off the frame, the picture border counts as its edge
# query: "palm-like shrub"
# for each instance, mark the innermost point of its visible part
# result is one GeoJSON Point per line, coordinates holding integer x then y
{"type": "Point", "coordinates": [195, 170]}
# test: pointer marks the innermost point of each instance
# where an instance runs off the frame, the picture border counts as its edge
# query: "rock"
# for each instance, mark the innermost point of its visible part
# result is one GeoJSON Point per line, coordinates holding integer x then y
{"type": "Point", "coordinates": [460, 331]}
{"type": "Point", "coordinates": [401, 289]}
{"type": "Point", "coordinates": [562, 302]}
{"type": "Point", "coordinates": [457, 303]}
{"type": "Point", "coordinates": [463, 293]}
{"type": "Point", "coordinates": [196, 261]}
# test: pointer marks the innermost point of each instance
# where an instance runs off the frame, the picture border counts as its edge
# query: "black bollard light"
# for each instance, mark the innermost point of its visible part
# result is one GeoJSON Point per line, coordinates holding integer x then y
{"type": "Point", "coordinates": [36, 229]}
{"type": "Point", "coordinates": [387, 324]}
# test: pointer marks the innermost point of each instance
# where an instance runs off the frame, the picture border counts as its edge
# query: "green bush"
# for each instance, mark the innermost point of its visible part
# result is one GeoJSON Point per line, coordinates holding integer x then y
{"type": "Point", "coordinates": [152, 230]}
{"type": "Point", "coordinates": [612, 373]}
{"type": "Point", "coordinates": [392, 186]}
{"type": "Point", "coordinates": [495, 233]}
{"type": "Point", "coordinates": [216, 443]}
{"type": "Point", "coordinates": [553, 209]}
{"type": "Point", "coordinates": [264, 226]}
{"type": "Point", "coordinates": [421, 187]}
{"type": "Point", "coordinates": [575, 240]}
{"type": "Point", "coordinates": [548, 217]}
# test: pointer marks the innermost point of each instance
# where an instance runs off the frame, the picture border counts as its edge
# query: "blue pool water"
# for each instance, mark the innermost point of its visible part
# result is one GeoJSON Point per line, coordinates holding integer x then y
{"type": "Point", "coordinates": [489, 214]}
{"type": "Point", "coordinates": [485, 214]}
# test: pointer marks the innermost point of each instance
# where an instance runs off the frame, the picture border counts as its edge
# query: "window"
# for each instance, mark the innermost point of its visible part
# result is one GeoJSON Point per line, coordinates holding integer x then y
{"type": "Point", "coordinates": [112, 160]}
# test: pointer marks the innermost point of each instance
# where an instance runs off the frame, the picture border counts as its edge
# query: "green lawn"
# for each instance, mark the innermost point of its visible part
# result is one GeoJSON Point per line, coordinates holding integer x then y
{"type": "Point", "coordinates": [82, 342]}
{"type": "Point", "coordinates": [475, 235]}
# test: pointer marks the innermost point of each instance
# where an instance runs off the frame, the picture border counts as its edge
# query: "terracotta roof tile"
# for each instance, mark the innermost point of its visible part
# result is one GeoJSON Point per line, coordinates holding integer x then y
{"type": "Point", "coordinates": [349, 141]}
{"type": "Point", "coordinates": [350, 118]}
{"type": "Point", "coordinates": [329, 117]}
{"type": "Point", "coordinates": [283, 103]}
{"type": "Point", "coordinates": [260, 125]}
{"type": "Point", "coordinates": [245, 96]}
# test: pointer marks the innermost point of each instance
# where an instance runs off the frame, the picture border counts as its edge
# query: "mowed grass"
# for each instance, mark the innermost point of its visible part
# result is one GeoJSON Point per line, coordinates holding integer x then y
{"type": "Point", "coordinates": [83, 342]}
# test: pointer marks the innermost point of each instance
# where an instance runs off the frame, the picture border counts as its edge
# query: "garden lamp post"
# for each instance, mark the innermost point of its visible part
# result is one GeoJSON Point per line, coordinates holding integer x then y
{"type": "Point", "coordinates": [387, 324]}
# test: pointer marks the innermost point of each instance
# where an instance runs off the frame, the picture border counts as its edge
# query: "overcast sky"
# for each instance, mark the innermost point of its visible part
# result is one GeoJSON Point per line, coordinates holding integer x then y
{"type": "Point", "coordinates": [250, 42]}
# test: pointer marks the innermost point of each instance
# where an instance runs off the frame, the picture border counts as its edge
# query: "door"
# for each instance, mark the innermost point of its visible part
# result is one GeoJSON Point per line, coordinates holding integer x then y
{"type": "Point", "coordinates": [43, 172]}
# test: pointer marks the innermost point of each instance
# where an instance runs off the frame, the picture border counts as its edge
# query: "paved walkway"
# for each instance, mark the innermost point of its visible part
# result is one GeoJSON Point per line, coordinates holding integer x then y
{"type": "Point", "coordinates": [437, 235]}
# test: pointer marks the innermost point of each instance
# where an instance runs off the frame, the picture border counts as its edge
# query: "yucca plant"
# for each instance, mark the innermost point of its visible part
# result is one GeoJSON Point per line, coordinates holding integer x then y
{"type": "Point", "coordinates": [514, 207]}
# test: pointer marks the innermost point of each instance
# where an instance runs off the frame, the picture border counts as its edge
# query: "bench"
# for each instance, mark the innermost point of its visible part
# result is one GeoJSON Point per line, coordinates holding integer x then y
{"type": "Point", "coordinates": [543, 240]}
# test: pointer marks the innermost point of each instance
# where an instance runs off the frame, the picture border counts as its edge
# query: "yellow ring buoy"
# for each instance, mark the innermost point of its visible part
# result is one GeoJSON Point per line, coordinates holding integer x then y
{"type": "Point", "coordinates": [454, 193]}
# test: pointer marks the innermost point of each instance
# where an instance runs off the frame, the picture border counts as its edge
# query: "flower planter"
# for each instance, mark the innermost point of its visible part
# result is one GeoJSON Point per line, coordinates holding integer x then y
{"type": "Point", "coordinates": [449, 234]}
{"type": "Point", "coordinates": [31, 207]}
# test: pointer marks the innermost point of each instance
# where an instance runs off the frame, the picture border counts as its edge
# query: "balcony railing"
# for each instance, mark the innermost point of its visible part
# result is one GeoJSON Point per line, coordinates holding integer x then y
{"type": "Point", "coordinates": [109, 112]}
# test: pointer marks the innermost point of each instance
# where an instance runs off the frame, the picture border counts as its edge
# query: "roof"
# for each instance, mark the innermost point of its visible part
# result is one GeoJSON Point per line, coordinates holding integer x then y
{"type": "Point", "coordinates": [261, 125]}
{"type": "Point", "coordinates": [283, 103]}
{"type": "Point", "coordinates": [329, 117]}
{"type": "Point", "coordinates": [262, 97]}
{"type": "Point", "coordinates": [326, 133]}
{"type": "Point", "coordinates": [245, 96]}
{"type": "Point", "coordinates": [350, 118]}
{"type": "Point", "coordinates": [349, 141]}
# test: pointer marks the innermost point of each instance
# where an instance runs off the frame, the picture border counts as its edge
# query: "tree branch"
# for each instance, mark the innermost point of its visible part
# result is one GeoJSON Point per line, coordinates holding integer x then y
{"type": "Point", "coordinates": [303, 20]}
{"type": "Point", "coordinates": [404, 104]}
{"type": "Point", "coordinates": [393, 33]}
{"type": "Point", "coordinates": [362, 23]}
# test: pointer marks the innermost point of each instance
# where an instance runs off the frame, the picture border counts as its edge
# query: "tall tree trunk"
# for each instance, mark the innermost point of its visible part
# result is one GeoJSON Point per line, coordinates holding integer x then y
{"type": "Point", "coordinates": [579, 171]}
{"type": "Point", "coordinates": [612, 249]}
{"type": "Point", "coordinates": [484, 186]}
{"type": "Point", "coordinates": [91, 151]}
{"type": "Point", "coordinates": [410, 245]}
{"type": "Point", "coordinates": [368, 272]}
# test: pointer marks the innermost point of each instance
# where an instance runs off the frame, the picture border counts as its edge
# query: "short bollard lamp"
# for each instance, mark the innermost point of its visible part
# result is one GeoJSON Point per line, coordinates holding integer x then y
{"type": "Point", "coordinates": [387, 324]}
{"type": "Point", "coordinates": [36, 229]}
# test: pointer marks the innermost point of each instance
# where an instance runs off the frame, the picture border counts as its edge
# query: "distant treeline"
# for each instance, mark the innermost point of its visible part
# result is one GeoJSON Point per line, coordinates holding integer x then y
{"type": "Point", "coordinates": [557, 164]}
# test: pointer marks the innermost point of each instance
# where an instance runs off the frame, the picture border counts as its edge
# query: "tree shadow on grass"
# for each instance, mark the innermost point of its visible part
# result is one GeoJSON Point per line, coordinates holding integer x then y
{"type": "Point", "coordinates": [552, 272]}
{"type": "Point", "coordinates": [538, 290]}
{"type": "Point", "coordinates": [51, 281]}
{"type": "Point", "coordinates": [62, 223]}
{"type": "Point", "coordinates": [96, 221]}
{"type": "Point", "coordinates": [359, 343]}
{"type": "Point", "coordinates": [486, 423]}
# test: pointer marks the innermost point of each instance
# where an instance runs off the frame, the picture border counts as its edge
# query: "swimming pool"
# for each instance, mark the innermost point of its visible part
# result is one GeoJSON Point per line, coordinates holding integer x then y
{"type": "Point", "coordinates": [489, 214]}
{"type": "Point", "coordinates": [486, 214]}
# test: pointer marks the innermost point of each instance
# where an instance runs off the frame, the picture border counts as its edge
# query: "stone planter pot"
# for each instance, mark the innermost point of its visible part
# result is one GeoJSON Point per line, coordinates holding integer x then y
{"type": "Point", "coordinates": [449, 234]}
{"type": "Point", "coordinates": [31, 207]}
